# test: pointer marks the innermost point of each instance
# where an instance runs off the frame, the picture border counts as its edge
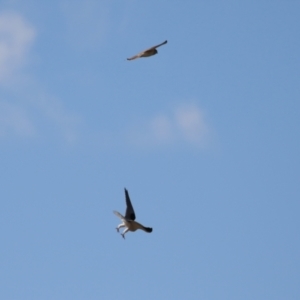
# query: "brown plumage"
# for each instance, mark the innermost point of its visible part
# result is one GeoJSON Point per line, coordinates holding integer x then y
{"type": "Point", "coordinates": [149, 52]}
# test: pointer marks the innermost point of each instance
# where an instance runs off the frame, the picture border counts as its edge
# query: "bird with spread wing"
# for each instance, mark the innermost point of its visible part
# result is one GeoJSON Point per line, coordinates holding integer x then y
{"type": "Point", "coordinates": [129, 220]}
{"type": "Point", "coordinates": [146, 53]}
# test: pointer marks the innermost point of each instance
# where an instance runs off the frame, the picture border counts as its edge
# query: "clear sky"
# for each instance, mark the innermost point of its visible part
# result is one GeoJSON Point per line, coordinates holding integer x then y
{"type": "Point", "coordinates": [205, 136]}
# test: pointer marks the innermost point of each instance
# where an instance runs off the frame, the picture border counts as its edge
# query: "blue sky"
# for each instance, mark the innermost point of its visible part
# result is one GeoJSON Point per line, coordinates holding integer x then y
{"type": "Point", "coordinates": [205, 136]}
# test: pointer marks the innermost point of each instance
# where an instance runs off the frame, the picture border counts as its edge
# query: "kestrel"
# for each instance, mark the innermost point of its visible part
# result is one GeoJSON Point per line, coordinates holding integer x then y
{"type": "Point", "coordinates": [149, 52]}
{"type": "Point", "coordinates": [128, 221]}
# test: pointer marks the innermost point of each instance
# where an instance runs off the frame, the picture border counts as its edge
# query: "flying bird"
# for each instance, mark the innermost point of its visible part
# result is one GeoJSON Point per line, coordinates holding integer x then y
{"type": "Point", "coordinates": [129, 220]}
{"type": "Point", "coordinates": [149, 52]}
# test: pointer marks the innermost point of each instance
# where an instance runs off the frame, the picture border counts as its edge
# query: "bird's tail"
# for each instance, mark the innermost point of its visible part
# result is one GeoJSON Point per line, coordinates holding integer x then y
{"type": "Point", "coordinates": [148, 229]}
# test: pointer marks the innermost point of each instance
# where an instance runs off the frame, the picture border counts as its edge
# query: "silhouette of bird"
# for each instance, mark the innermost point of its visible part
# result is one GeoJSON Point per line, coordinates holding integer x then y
{"type": "Point", "coordinates": [129, 220]}
{"type": "Point", "coordinates": [149, 52]}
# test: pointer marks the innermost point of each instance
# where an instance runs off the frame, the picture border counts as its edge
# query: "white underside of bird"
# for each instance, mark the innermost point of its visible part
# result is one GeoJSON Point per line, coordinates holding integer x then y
{"type": "Point", "coordinates": [129, 225]}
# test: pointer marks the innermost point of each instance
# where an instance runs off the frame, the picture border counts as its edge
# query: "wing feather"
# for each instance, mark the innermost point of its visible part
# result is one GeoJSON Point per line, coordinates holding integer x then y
{"type": "Point", "coordinates": [130, 215]}
{"type": "Point", "coordinates": [119, 215]}
{"type": "Point", "coordinates": [134, 57]}
{"type": "Point", "coordinates": [157, 45]}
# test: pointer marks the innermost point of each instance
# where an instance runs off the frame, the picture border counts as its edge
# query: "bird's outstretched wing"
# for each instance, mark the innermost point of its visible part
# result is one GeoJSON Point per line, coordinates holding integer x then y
{"type": "Point", "coordinates": [136, 56]}
{"type": "Point", "coordinates": [130, 215]}
{"type": "Point", "coordinates": [119, 215]}
{"type": "Point", "coordinates": [147, 50]}
{"type": "Point", "coordinates": [157, 46]}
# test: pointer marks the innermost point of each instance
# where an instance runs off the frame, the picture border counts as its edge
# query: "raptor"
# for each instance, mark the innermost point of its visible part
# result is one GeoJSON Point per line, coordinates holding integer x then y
{"type": "Point", "coordinates": [148, 52]}
{"type": "Point", "coordinates": [128, 221]}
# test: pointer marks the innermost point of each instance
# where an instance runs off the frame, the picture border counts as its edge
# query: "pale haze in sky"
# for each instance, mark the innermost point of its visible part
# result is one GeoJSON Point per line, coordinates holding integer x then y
{"type": "Point", "coordinates": [205, 136]}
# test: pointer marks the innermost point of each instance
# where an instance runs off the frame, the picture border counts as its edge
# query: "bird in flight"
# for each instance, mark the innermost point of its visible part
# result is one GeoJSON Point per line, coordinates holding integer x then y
{"type": "Point", "coordinates": [149, 52]}
{"type": "Point", "coordinates": [129, 220]}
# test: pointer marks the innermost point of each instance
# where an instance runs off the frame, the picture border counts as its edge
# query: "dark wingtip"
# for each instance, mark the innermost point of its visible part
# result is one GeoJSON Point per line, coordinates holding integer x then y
{"type": "Point", "coordinates": [148, 229]}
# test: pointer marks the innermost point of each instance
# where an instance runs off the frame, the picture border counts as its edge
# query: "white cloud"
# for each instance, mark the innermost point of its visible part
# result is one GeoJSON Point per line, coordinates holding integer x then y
{"type": "Point", "coordinates": [185, 124]}
{"type": "Point", "coordinates": [16, 37]}
{"type": "Point", "coordinates": [191, 124]}
{"type": "Point", "coordinates": [161, 128]}
{"type": "Point", "coordinates": [14, 120]}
